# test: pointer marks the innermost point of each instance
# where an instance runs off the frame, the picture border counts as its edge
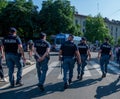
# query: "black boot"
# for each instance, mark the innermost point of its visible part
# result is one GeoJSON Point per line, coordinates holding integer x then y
{"type": "Point", "coordinates": [103, 75]}
{"type": "Point", "coordinates": [65, 86]}
{"type": "Point", "coordinates": [41, 87]}
{"type": "Point", "coordinates": [78, 76]}
{"type": "Point", "coordinates": [81, 77]}
{"type": "Point", "coordinates": [70, 81]}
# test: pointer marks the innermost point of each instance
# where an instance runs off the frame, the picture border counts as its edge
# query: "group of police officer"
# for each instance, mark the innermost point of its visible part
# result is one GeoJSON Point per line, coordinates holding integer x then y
{"type": "Point", "coordinates": [69, 53]}
{"type": "Point", "coordinates": [14, 53]}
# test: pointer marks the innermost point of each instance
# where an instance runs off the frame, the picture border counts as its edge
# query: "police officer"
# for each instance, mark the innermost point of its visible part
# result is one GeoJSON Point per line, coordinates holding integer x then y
{"type": "Point", "coordinates": [41, 49]}
{"type": "Point", "coordinates": [84, 53]}
{"type": "Point", "coordinates": [13, 51]}
{"type": "Point", "coordinates": [30, 48]}
{"type": "Point", "coordinates": [104, 54]}
{"type": "Point", "coordinates": [67, 51]}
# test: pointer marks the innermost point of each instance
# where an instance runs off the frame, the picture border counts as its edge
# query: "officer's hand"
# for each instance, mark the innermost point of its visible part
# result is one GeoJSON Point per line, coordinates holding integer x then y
{"type": "Point", "coordinates": [79, 62]}
{"type": "Point", "coordinates": [98, 57]}
{"type": "Point", "coordinates": [112, 57]}
{"type": "Point", "coordinates": [3, 57]}
{"type": "Point", "coordinates": [41, 59]}
{"type": "Point", "coordinates": [89, 58]}
{"type": "Point", "coordinates": [24, 59]}
{"type": "Point", "coordinates": [60, 58]}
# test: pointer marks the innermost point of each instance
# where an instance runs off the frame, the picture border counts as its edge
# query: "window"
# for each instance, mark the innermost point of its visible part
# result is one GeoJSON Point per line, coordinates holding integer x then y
{"type": "Point", "coordinates": [116, 29]}
{"type": "Point", "coordinates": [76, 21]}
{"type": "Point", "coordinates": [111, 28]}
{"type": "Point", "coordinates": [60, 40]}
{"type": "Point", "coordinates": [84, 23]}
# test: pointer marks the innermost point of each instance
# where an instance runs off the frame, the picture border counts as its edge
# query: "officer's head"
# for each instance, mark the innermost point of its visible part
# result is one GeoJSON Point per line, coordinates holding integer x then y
{"type": "Point", "coordinates": [42, 35]}
{"type": "Point", "coordinates": [83, 39]}
{"type": "Point", "coordinates": [106, 39]}
{"type": "Point", "coordinates": [12, 30]}
{"type": "Point", "coordinates": [30, 41]}
{"type": "Point", "coordinates": [71, 37]}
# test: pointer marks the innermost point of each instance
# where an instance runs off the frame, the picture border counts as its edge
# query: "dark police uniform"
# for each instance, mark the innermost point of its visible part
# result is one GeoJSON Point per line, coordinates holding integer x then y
{"type": "Point", "coordinates": [10, 44]}
{"type": "Point", "coordinates": [42, 67]}
{"type": "Point", "coordinates": [105, 56]}
{"type": "Point", "coordinates": [83, 48]}
{"type": "Point", "coordinates": [68, 51]}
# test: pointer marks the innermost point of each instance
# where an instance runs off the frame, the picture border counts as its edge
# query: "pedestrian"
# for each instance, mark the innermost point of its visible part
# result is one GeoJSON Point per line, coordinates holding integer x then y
{"type": "Point", "coordinates": [68, 52]}
{"type": "Point", "coordinates": [13, 54]}
{"type": "Point", "coordinates": [84, 54]}
{"type": "Point", "coordinates": [42, 50]}
{"type": "Point", "coordinates": [1, 68]}
{"type": "Point", "coordinates": [116, 53]}
{"type": "Point", "coordinates": [30, 46]}
{"type": "Point", "coordinates": [105, 53]}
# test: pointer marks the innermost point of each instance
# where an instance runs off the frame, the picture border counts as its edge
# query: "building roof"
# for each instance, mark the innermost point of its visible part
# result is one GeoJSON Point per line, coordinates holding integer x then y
{"type": "Point", "coordinates": [115, 22]}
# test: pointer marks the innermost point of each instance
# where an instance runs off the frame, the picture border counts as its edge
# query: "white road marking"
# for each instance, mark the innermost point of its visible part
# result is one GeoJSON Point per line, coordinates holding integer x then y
{"type": "Point", "coordinates": [87, 72]}
{"type": "Point", "coordinates": [25, 71]}
{"type": "Point", "coordinates": [51, 66]}
{"type": "Point", "coordinates": [28, 69]}
{"type": "Point", "coordinates": [96, 66]}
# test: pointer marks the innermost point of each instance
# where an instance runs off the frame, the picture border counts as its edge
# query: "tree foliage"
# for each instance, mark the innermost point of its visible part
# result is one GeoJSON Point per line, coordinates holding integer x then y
{"type": "Point", "coordinates": [57, 16]}
{"type": "Point", "coordinates": [21, 14]}
{"type": "Point", "coordinates": [96, 29]}
{"type": "Point", "coordinates": [118, 42]}
{"type": "Point", "coordinates": [3, 4]}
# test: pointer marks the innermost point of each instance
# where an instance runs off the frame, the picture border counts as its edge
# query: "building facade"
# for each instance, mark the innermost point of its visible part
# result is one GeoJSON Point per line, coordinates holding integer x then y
{"type": "Point", "coordinates": [112, 25]}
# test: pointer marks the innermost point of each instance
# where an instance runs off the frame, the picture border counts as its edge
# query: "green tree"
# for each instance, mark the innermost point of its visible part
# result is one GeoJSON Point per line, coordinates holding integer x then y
{"type": "Point", "coordinates": [57, 16]}
{"type": "Point", "coordinates": [96, 29]}
{"type": "Point", "coordinates": [119, 41]}
{"type": "Point", "coordinates": [21, 14]}
{"type": "Point", "coordinates": [3, 4]}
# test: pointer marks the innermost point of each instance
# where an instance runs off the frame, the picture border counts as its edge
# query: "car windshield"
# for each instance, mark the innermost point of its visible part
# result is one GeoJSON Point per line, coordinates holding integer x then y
{"type": "Point", "coordinates": [60, 40]}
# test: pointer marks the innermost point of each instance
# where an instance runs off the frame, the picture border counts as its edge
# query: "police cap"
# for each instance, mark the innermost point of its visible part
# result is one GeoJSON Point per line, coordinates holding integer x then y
{"type": "Point", "coordinates": [12, 30]}
{"type": "Point", "coordinates": [42, 35]}
{"type": "Point", "coordinates": [84, 39]}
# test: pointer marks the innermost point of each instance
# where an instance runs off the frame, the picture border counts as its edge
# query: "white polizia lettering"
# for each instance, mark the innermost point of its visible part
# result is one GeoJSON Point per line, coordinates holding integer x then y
{"type": "Point", "coordinates": [10, 41]}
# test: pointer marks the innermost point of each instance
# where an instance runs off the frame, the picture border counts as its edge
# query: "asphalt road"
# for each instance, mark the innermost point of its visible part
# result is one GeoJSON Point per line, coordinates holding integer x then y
{"type": "Point", "coordinates": [91, 87]}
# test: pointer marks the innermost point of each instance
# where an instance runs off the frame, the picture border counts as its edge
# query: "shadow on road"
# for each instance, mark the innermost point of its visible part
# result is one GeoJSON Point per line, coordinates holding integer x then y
{"type": "Point", "coordinates": [30, 92]}
{"type": "Point", "coordinates": [88, 82]}
{"type": "Point", "coordinates": [107, 90]}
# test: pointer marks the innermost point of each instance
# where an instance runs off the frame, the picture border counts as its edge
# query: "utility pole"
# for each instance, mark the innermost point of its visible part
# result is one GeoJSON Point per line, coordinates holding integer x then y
{"type": "Point", "coordinates": [98, 7]}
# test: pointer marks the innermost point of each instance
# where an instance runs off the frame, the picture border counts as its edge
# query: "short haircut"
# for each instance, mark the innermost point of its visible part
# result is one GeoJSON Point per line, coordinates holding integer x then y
{"type": "Point", "coordinates": [70, 35]}
{"type": "Point", "coordinates": [106, 39]}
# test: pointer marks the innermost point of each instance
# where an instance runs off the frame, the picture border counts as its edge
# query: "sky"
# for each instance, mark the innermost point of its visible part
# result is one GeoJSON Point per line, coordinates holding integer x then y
{"type": "Point", "coordinates": [107, 8]}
